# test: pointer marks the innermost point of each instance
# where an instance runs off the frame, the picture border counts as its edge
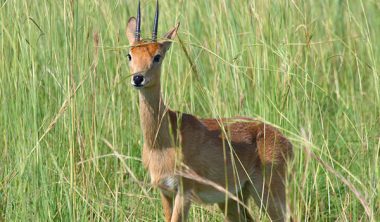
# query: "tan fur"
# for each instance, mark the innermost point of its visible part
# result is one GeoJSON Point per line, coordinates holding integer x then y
{"type": "Point", "coordinates": [243, 155]}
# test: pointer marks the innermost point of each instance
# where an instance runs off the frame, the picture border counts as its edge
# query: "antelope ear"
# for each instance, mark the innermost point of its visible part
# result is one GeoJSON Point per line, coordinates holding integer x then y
{"type": "Point", "coordinates": [130, 30]}
{"type": "Point", "coordinates": [169, 36]}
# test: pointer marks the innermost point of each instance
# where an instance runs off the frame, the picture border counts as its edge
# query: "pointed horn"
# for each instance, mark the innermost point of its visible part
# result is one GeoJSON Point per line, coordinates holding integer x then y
{"type": "Point", "coordinates": [155, 26]}
{"type": "Point", "coordinates": [138, 24]}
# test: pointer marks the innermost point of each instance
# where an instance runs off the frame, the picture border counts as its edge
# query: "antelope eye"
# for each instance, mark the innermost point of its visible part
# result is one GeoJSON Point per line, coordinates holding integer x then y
{"type": "Point", "coordinates": [157, 58]}
{"type": "Point", "coordinates": [129, 57]}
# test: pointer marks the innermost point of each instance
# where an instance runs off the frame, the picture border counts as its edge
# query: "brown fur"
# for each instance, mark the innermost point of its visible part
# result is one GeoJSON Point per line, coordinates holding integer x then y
{"type": "Point", "coordinates": [243, 155]}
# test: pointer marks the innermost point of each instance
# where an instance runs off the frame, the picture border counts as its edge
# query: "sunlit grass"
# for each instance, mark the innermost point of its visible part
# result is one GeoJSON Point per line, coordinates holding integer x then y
{"type": "Point", "coordinates": [70, 135]}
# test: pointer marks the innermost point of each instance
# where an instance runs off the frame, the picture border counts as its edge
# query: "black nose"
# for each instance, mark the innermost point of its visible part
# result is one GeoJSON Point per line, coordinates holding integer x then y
{"type": "Point", "coordinates": [138, 79]}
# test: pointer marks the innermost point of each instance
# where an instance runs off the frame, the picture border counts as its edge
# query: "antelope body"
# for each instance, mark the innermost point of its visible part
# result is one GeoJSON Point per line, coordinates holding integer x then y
{"type": "Point", "coordinates": [221, 161]}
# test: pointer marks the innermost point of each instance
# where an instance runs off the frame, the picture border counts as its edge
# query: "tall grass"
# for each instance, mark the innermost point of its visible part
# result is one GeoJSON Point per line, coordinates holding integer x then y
{"type": "Point", "coordinates": [69, 129]}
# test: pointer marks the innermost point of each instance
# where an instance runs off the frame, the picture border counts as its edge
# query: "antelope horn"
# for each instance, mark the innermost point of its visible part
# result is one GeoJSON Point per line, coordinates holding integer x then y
{"type": "Point", "coordinates": [155, 26]}
{"type": "Point", "coordinates": [138, 24]}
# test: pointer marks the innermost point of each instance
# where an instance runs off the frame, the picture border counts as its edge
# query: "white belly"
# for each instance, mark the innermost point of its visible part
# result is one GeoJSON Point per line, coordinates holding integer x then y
{"type": "Point", "coordinates": [169, 185]}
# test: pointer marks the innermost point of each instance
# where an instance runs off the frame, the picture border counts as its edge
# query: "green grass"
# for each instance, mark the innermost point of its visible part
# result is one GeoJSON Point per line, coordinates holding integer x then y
{"type": "Point", "coordinates": [70, 138]}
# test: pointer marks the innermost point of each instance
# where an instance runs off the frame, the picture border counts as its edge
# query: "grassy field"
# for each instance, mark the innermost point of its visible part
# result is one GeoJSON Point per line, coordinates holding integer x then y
{"type": "Point", "coordinates": [70, 138]}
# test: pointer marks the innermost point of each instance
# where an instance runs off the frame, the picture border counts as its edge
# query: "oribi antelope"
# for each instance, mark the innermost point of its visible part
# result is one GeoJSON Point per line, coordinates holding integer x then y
{"type": "Point", "coordinates": [222, 161]}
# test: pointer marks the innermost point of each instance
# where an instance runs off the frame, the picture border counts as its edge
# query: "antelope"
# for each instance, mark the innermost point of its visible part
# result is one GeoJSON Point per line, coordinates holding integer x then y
{"type": "Point", "coordinates": [222, 161]}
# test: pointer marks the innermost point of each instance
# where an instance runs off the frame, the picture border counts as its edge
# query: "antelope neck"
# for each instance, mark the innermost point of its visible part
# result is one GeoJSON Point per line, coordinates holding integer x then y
{"type": "Point", "coordinates": [154, 118]}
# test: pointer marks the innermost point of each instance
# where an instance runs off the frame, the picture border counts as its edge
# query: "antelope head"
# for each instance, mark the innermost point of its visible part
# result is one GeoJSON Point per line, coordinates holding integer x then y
{"type": "Point", "coordinates": [146, 55]}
